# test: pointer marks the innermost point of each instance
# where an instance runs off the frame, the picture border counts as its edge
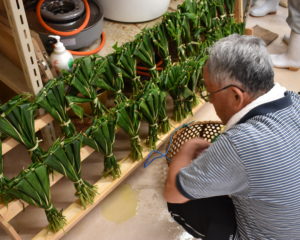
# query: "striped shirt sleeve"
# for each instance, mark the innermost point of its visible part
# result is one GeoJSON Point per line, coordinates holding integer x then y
{"type": "Point", "coordinates": [217, 171]}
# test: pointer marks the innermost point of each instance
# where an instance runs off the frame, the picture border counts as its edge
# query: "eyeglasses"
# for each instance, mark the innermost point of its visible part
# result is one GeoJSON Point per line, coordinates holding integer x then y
{"type": "Point", "coordinates": [206, 95]}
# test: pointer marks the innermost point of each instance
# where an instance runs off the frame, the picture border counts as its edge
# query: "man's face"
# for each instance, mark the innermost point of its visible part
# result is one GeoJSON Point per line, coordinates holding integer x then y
{"type": "Point", "coordinates": [221, 100]}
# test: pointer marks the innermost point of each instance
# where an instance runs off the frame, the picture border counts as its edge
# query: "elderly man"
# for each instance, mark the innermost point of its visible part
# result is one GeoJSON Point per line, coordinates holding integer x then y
{"type": "Point", "coordinates": [255, 161]}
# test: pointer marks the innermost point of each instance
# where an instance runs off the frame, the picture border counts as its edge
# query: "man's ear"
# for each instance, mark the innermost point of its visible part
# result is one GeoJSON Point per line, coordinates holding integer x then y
{"type": "Point", "coordinates": [239, 99]}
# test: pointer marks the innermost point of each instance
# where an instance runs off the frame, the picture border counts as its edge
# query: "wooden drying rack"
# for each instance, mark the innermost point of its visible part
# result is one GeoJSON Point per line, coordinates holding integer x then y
{"type": "Point", "coordinates": [75, 212]}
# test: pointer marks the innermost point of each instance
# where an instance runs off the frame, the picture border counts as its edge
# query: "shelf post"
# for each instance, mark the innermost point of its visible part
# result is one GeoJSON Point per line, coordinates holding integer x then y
{"type": "Point", "coordinates": [18, 22]}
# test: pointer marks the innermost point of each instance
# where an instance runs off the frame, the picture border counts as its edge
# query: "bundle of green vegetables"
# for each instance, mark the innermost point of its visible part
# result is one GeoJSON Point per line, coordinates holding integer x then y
{"type": "Point", "coordinates": [84, 80]}
{"type": "Point", "coordinates": [230, 27]}
{"type": "Point", "coordinates": [185, 29]}
{"type": "Point", "coordinates": [199, 20]}
{"type": "Point", "coordinates": [152, 107]}
{"type": "Point", "coordinates": [172, 23]}
{"type": "Point", "coordinates": [209, 16]}
{"type": "Point", "coordinates": [111, 78]}
{"type": "Point", "coordinates": [101, 137]}
{"type": "Point", "coordinates": [194, 68]}
{"type": "Point", "coordinates": [190, 7]}
{"type": "Point", "coordinates": [145, 52]}
{"type": "Point", "coordinates": [229, 4]}
{"type": "Point", "coordinates": [163, 119]}
{"type": "Point", "coordinates": [193, 12]}
{"type": "Point", "coordinates": [175, 81]}
{"type": "Point", "coordinates": [188, 18]}
{"type": "Point", "coordinates": [52, 99]}
{"type": "Point", "coordinates": [126, 61]}
{"type": "Point", "coordinates": [64, 157]}
{"type": "Point", "coordinates": [223, 28]}
{"type": "Point", "coordinates": [129, 120]}
{"type": "Point", "coordinates": [193, 34]}
{"type": "Point", "coordinates": [32, 186]}
{"type": "Point", "coordinates": [17, 121]}
{"type": "Point", "coordinates": [207, 11]}
{"type": "Point", "coordinates": [160, 41]}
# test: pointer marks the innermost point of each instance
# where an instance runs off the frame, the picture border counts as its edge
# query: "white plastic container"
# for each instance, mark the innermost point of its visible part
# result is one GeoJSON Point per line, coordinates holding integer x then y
{"type": "Point", "coordinates": [60, 58]}
{"type": "Point", "coordinates": [134, 10]}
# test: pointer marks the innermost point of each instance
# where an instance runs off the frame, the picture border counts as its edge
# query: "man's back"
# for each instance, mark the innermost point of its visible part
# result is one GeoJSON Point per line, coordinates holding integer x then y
{"type": "Point", "coordinates": [268, 147]}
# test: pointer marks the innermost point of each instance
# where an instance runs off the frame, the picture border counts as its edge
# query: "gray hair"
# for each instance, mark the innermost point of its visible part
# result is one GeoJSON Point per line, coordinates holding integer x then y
{"type": "Point", "coordinates": [244, 59]}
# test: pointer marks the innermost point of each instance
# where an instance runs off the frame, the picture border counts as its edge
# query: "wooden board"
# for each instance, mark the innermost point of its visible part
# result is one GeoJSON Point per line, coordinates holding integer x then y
{"type": "Point", "coordinates": [264, 34]}
{"type": "Point", "coordinates": [239, 11]}
{"type": "Point", "coordinates": [7, 44]}
{"type": "Point", "coordinates": [9, 229]}
{"type": "Point", "coordinates": [12, 76]}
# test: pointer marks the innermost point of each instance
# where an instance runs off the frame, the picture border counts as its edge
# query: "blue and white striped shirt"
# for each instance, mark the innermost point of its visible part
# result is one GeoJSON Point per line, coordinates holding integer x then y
{"type": "Point", "coordinates": [257, 162]}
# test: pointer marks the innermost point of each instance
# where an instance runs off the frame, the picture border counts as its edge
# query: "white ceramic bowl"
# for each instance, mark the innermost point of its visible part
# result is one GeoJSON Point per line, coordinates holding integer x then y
{"type": "Point", "coordinates": [134, 10]}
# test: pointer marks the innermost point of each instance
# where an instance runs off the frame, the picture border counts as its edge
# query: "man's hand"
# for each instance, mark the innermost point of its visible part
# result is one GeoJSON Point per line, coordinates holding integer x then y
{"type": "Point", "coordinates": [189, 151]}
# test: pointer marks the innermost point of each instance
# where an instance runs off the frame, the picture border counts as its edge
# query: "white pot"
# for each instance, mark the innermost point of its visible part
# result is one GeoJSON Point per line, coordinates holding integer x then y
{"type": "Point", "coordinates": [134, 10]}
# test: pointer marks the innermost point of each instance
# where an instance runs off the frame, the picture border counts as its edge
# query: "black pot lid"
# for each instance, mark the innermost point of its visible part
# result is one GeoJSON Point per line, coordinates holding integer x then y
{"type": "Point", "coordinates": [62, 10]}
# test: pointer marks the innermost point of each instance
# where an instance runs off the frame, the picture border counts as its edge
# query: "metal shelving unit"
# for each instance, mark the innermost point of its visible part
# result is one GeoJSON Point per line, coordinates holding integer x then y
{"type": "Point", "coordinates": [19, 70]}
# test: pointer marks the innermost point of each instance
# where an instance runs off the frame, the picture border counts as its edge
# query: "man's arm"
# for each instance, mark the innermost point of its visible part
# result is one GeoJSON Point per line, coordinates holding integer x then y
{"type": "Point", "coordinates": [184, 157]}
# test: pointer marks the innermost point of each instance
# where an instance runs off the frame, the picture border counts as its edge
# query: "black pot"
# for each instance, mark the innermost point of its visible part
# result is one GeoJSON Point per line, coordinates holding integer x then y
{"type": "Point", "coordinates": [69, 16]}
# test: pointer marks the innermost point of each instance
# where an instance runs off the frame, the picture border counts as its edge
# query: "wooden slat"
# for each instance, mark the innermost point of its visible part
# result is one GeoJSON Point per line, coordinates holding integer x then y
{"type": "Point", "coordinates": [9, 143]}
{"type": "Point", "coordinates": [9, 229]}
{"type": "Point", "coordinates": [249, 31]}
{"type": "Point", "coordinates": [238, 11]}
{"type": "Point", "coordinates": [75, 212]}
{"type": "Point", "coordinates": [8, 46]}
{"type": "Point", "coordinates": [12, 76]}
{"type": "Point", "coordinates": [11, 210]}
